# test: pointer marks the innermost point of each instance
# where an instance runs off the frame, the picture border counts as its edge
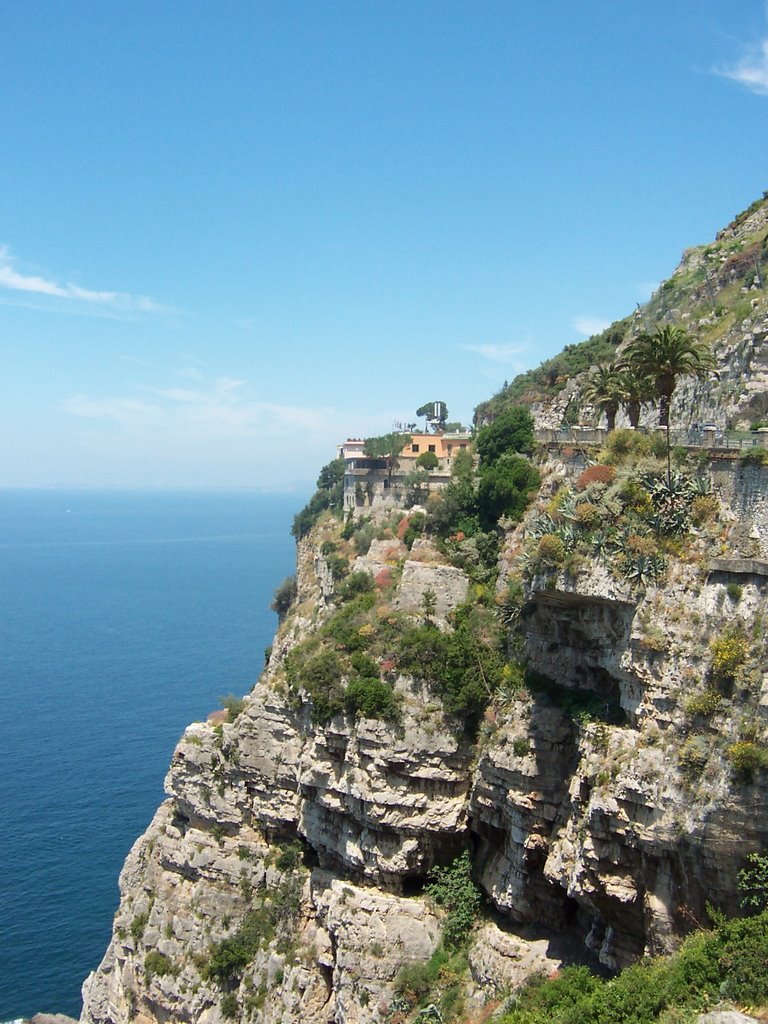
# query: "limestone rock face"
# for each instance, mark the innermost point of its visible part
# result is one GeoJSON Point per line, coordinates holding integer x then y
{"type": "Point", "coordinates": [606, 825]}
{"type": "Point", "coordinates": [373, 806]}
{"type": "Point", "coordinates": [423, 570]}
{"type": "Point", "coordinates": [725, 1017]}
{"type": "Point", "coordinates": [50, 1018]}
{"type": "Point", "coordinates": [373, 934]}
{"type": "Point", "coordinates": [381, 806]}
{"type": "Point", "coordinates": [501, 961]}
{"type": "Point", "coordinates": [448, 584]}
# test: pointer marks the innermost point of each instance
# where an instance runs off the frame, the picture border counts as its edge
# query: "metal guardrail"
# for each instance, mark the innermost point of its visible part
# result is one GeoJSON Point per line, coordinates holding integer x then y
{"type": "Point", "coordinates": [722, 439]}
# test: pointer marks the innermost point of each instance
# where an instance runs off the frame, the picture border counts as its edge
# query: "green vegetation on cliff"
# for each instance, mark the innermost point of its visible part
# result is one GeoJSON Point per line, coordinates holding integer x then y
{"type": "Point", "coordinates": [627, 512]}
{"type": "Point", "coordinates": [329, 495]}
{"type": "Point", "coordinates": [500, 486]}
{"type": "Point", "coordinates": [346, 666]}
{"type": "Point", "coordinates": [727, 963]}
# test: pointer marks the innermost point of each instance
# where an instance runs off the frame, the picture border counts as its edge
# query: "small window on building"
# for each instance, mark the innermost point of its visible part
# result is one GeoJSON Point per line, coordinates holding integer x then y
{"type": "Point", "coordinates": [414, 447]}
{"type": "Point", "coordinates": [431, 447]}
{"type": "Point", "coordinates": [450, 448]}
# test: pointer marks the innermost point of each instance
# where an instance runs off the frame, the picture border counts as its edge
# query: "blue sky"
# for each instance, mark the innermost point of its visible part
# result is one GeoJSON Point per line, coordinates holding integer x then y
{"type": "Point", "coordinates": [233, 234]}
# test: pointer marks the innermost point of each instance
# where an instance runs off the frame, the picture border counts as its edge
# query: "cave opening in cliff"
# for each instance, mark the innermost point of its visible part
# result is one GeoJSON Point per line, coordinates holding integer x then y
{"type": "Point", "coordinates": [413, 885]}
{"type": "Point", "coordinates": [310, 857]}
{"type": "Point", "coordinates": [600, 701]}
{"type": "Point", "coordinates": [576, 641]}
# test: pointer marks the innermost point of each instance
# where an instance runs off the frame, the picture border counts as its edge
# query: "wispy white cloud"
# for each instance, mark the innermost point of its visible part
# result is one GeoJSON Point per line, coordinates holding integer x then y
{"type": "Point", "coordinates": [135, 360]}
{"type": "Point", "coordinates": [509, 354]}
{"type": "Point", "coordinates": [217, 408]}
{"type": "Point", "coordinates": [223, 389]}
{"type": "Point", "coordinates": [15, 280]}
{"type": "Point", "coordinates": [229, 385]}
{"type": "Point", "coordinates": [127, 411]}
{"type": "Point", "coordinates": [190, 372]}
{"type": "Point", "coordinates": [752, 70]}
{"type": "Point", "coordinates": [589, 325]}
{"type": "Point", "coordinates": [180, 395]}
{"type": "Point", "coordinates": [220, 431]}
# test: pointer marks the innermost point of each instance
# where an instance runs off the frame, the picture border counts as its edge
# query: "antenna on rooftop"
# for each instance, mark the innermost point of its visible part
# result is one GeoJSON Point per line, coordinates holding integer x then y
{"type": "Point", "coordinates": [435, 413]}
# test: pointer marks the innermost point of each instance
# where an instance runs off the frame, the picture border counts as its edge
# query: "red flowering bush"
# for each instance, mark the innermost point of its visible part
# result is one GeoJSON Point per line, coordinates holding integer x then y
{"type": "Point", "coordinates": [383, 579]}
{"type": "Point", "coordinates": [595, 475]}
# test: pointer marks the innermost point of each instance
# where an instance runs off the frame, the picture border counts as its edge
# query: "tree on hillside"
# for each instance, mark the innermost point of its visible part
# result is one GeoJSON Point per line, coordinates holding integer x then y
{"type": "Point", "coordinates": [284, 597]}
{"type": "Point", "coordinates": [512, 431]}
{"type": "Point", "coordinates": [331, 475]}
{"type": "Point", "coordinates": [417, 486]}
{"type": "Point", "coordinates": [504, 489]}
{"type": "Point", "coordinates": [436, 413]}
{"type": "Point", "coordinates": [603, 390]}
{"type": "Point", "coordinates": [637, 391]}
{"type": "Point", "coordinates": [329, 495]}
{"type": "Point", "coordinates": [385, 445]}
{"type": "Point", "coordinates": [455, 507]}
{"type": "Point", "coordinates": [664, 356]}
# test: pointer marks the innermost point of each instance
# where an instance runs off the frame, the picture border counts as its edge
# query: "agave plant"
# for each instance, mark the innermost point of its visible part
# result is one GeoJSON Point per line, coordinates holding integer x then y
{"type": "Point", "coordinates": [568, 535]}
{"type": "Point", "coordinates": [671, 498]}
{"type": "Point", "coordinates": [677, 485]}
{"type": "Point", "coordinates": [567, 508]}
{"type": "Point", "coordinates": [644, 569]}
{"type": "Point", "coordinates": [673, 516]}
{"type": "Point", "coordinates": [701, 486]}
{"type": "Point", "coordinates": [526, 562]}
{"type": "Point", "coordinates": [510, 688]}
{"type": "Point", "coordinates": [602, 547]}
{"type": "Point", "coordinates": [543, 523]}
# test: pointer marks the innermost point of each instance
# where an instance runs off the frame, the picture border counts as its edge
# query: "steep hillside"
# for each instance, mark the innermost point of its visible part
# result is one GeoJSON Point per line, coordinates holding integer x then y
{"type": "Point", "coordinates": [719, 293]}
{"type": "Point", "coordinates": [479, 750]}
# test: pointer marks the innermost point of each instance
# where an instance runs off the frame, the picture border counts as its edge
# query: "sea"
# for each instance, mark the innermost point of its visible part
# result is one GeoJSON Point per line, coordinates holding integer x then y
{"type": "Point", "coordinates": [124, 616]}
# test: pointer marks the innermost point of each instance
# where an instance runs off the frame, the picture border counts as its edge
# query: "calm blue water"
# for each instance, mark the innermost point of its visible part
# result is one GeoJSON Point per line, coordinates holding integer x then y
{"type": "Point", "coordinates": [123, 617]}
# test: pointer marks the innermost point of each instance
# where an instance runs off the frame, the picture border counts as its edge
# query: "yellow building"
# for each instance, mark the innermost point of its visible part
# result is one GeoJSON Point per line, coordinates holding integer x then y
{"type": "Point", "coordinates": [445, 446]}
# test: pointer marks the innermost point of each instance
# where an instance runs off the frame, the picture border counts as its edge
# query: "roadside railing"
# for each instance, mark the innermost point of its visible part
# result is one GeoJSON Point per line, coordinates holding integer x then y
{"type": "Point", "coordinates": [692, 438]}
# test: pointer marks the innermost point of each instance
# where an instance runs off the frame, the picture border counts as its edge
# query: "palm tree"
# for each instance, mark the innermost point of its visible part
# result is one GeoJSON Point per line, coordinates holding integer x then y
{"type": "Point", "coordinates": [670, 352]}
{"type": "Point", "coordinates": [637, 391]}
{"type": "Point", "coordinates": [603, 391]}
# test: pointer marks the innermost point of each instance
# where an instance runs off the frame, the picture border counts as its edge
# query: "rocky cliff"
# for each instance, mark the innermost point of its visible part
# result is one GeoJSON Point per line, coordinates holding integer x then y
{"type": "Point", "coordinates": [601, 755]}
{"type": "Point", "coordinates": [615, 833]}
